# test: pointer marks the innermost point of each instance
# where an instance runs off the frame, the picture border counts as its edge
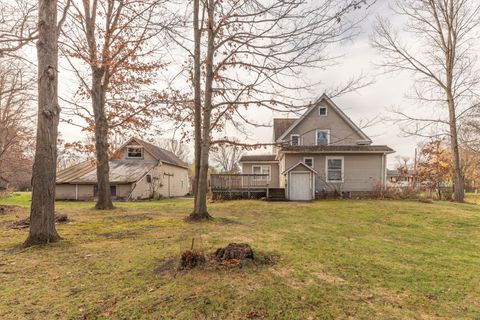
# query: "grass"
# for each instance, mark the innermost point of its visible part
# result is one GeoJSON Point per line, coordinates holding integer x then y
{"type": "Point", "coordinates": [338, 260]}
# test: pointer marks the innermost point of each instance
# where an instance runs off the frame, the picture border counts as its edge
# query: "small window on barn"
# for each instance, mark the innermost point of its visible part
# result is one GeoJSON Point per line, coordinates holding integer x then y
{"type": "Point", "coordinates": [322, 111]}
{"type": "Point", "coordinates": [134, 152]}
{"type": "Point", "coordinates": [149, 178]}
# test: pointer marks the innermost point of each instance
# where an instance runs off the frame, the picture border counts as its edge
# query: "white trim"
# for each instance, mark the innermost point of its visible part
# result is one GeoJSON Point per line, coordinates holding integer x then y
{"type": "Point", "coordinates": [299, 139]}
{"type": "Point", "coordinates": [260, 162]}
{"type": "Point", "coordinates": [324, 97]}
{"type": "Point", "coordinates": [298, 164]}
{"type": "Point", "coordinates": [322, 130]}
{"type": "Point", "coordinates": [343, 168]}
{"type": "Point", "coordinates": [313, 161]}
{"type": "Point", "coordinates": [326, 111]}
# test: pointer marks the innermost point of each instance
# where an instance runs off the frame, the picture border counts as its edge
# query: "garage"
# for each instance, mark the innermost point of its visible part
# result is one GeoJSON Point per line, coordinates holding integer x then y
{"type": "Point", "coordinates": [301, 182]}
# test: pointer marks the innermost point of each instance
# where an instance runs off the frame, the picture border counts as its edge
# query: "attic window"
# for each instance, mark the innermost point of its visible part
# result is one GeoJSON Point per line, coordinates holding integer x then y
{"type": "Point", "coordinates": [134, 152]}
{"type": "Point", "coordinates": [149, 178]}
{"type": "Point", "coordinates": [322, 111]}
{"type": "Point", "coordinates": [295, 140]}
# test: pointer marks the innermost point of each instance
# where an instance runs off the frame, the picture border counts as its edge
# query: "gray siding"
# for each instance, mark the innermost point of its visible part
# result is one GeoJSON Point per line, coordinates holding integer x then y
{"type": "Point", "coordinates": [340, 132]}
{"type": "Point", "coordinates": [275, 174]}
{"type": "Point", "coordinates": [362, 172]}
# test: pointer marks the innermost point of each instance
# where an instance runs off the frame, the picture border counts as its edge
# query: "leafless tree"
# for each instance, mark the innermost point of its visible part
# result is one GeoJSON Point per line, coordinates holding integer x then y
{"type": "Point", "coordinates": [177, 147]}
{"type": "Point", "coordinates": [442, 61]}
{"type": "Point", "coordinates": [115, 40]}
{"type": "Point", "coordinates": [17, 25]}
{"type": "Point", "coordinates": [227, 156]}
{"type": "Point", "coordinates": [16, 115]}
{"type": "Point", "coordinates": [250, 54]}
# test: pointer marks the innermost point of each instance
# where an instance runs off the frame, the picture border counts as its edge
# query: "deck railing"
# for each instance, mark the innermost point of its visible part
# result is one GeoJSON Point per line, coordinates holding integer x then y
{"type": "Point", "coordinates": [226, 181]}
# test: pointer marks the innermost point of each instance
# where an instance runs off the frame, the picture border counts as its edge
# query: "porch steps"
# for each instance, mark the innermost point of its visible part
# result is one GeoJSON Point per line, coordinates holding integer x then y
{"type": "Point", "coordinates": [276, 194]}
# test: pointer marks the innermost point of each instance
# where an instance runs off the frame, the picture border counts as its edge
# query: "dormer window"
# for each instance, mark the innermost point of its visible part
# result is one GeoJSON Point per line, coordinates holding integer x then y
{"type": "Point", "coordinates": [322, 111]}
{"type": "Point", "coordinates": [295, 140]}
{"type": "Point", "coordinates": [134, 153]}
{"type": "Point", "coordinates": [322, 137]}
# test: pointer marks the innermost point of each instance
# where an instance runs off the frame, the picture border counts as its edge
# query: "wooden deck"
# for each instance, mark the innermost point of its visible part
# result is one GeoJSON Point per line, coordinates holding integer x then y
{"type": "Point", "coordinates": [243, 186]}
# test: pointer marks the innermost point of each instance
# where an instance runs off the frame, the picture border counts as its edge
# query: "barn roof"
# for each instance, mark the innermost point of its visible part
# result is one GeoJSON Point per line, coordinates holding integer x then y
{"type": "Point", "coordinates": [158, 153]}
{"type": "Point", "coordinates": [121, 172]}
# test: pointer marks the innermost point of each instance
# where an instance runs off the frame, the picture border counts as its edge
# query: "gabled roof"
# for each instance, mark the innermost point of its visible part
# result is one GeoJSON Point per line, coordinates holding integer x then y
{"type": "Point", "coordinates": [158, 153]}
{"type": "Point", "coordinates": [324, 97]}
{"type": "Point", "coordinates": [257, 157]}
{"type": "Point", "coordinates": [299, 164]}
{"type": "Point", "coordinates": [121, 171]}
{"type": "Point", "coordinates": [280, 125]}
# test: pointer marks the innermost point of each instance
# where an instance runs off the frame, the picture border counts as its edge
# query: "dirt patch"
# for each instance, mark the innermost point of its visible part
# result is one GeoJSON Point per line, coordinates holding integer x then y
{"type": "Point", "coordinates": [129, 218]}
{"type": "Point", "coordinates": [7, 209]}
{"type": "Point", "coordinates": [166, 266]}
{"type": "Point", "coordinates": [330, 278]}
{"type": "Point", "coordinates": [226, 221]}
{"type": "Point", "coordinates": [235, 255]}
{"type": "Point", "coordinates": [25, 223]}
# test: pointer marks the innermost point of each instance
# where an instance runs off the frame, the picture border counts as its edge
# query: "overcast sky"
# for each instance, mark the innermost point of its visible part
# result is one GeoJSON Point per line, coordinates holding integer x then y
{"type": "Point", "coordinates": [376, 100]}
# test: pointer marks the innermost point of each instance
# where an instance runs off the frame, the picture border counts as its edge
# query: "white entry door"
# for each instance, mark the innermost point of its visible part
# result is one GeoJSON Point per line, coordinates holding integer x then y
{"type": "Point", "coordinates": [300, 186]}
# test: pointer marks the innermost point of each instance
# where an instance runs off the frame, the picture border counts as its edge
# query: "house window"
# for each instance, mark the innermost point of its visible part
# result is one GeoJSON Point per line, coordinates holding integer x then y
{"type": "Point", "coordinates": [322, 111]}
{"type": "Point", "coordinates": [308, 162]}
{"type": "Point", "coordinates": [262, 170]}
{"type": "Point", "coordinates": [295, 140]}
{"type": "Point", "coordinates": [149, 178]}
{"type": "Point", "coordinates": [134, 152]}
{"type": "Point", "coordinates": [335, 168]}
{"type": "Point", "coordinates": [322, 137]}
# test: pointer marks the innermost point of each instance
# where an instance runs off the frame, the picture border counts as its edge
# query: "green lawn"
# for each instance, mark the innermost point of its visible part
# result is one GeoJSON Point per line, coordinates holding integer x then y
{"type": "Point", "coordinates": [337, 260]}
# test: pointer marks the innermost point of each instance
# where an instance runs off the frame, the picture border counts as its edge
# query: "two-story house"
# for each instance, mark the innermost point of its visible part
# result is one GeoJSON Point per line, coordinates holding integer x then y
{"type": "Point", "coordinates": [321, 152]}
{"type": "Point", "coordinates": [138, 170]}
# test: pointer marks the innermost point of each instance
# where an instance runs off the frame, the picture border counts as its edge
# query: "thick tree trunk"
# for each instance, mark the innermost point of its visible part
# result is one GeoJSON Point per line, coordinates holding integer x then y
{"type": "Point", "coordinates": [459, 184]}
{"type": "Point", "coordinates": [42, 213]}
{"type": "Point", "coordinates": [197, 92]}
{"type": "Point", "coordinates": [200, 211]}
{"type": "Point", "coordinates": [99, 83]}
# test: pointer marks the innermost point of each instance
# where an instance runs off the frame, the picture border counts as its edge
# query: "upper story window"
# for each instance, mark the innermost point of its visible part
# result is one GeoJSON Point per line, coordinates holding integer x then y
{"type": "Point", "coordinates": [295, 140]}
{"type": "Point", "coordinates": [322, 137]}
{"type": "Point", "coordinates": [134, 152]}
{"type": "Point", "coordinates": [322, 111]}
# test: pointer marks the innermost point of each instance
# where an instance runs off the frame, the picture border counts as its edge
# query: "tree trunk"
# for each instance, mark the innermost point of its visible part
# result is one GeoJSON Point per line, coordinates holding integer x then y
{"type": "Point", "coordinates": [200, 211]}
{"type": "Point", "coordinates": [42, 213]}
{"type": "Point", "coordinates": [197, 93]}
{"type": "Point", "coordinates": [459, 184]}
{"type": "Point", "coordinates": [99, 83]}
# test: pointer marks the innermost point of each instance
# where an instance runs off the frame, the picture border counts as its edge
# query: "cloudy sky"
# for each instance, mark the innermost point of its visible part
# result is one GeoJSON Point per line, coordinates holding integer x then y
{"type": "Point", "coordinates": [358, 57]}
{"type": "Point", "coordinates": [375, 101]}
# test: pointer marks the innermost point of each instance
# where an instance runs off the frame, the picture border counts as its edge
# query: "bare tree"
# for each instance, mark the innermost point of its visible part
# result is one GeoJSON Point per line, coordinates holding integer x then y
{"type": "Point", "coordinates": [250, 54]}
{"type": "Point", "coordinates": [227, 157]}
{"type": "Point", "coordinates": [42, 214]}
{"type": "Point", "coordinates": [177, 147]}
{"type": "Point", "coordinates": [17, 26]}
{"type": "Point", "coordinates": [442, 62]}
{"type": "Point", "coordinates": [116, 40]}
{"type": "Point", "coordinates": [16, 117]}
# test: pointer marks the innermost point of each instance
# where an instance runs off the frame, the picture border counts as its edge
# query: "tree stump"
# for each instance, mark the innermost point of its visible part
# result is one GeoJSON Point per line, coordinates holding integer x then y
{"type": "Point", "coordinates": [191, 259]}
{"type": "Point", "coordinates": [234, 251]}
